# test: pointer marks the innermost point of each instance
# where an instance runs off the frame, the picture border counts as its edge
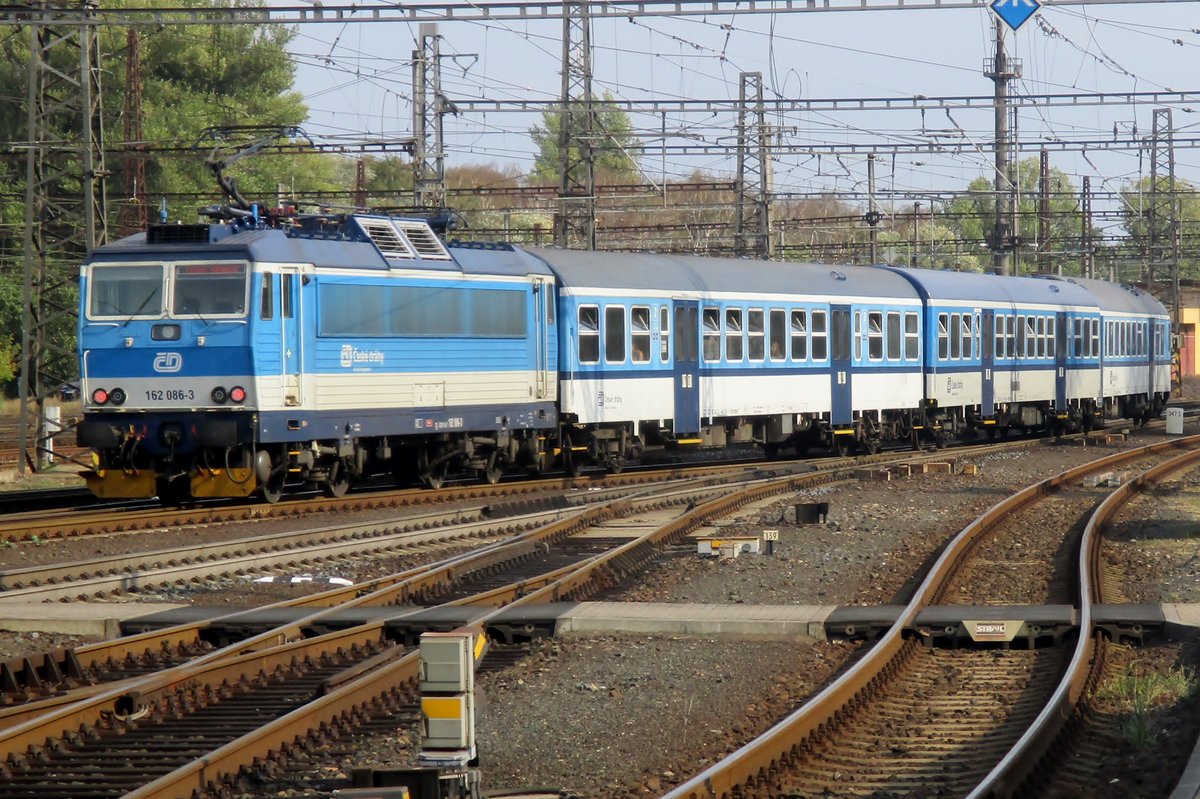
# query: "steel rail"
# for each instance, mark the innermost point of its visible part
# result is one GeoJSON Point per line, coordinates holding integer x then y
{"type": "Point", "coordinates": [1020, 763]}
{"type": "Point", "coordinates": [781, 744]}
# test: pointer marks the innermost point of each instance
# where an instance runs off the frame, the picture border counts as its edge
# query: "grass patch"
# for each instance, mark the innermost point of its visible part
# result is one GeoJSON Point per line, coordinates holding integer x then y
{"type": "Point", "coordinates": [1138, 693]}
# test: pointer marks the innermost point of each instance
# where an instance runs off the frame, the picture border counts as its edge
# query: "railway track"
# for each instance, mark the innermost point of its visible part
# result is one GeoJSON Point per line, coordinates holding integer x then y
{"type": "Point", "coordinates": [961, 723]}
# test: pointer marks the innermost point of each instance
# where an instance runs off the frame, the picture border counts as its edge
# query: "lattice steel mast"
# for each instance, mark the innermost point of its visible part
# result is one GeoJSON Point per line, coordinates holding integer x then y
{"type": "Point", "coordinates": [752, 235]}
{"type": "Point", "coordinates": [575, 220]}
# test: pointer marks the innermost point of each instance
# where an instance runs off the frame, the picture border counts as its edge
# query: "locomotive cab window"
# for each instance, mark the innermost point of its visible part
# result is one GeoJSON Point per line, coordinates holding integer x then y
{"type": "Point", "coordinates": [639, 333]}
{"type": "Point", "coordinates": [589, 334]}
{"type": "Point", "coordinates": [614, 334]}
{"type": "Point", "coordinates": [126, 291]}
{"type": "Point", "coordinates": [209, 290]}
{"type": "Point", "coordinates": [266, 307]}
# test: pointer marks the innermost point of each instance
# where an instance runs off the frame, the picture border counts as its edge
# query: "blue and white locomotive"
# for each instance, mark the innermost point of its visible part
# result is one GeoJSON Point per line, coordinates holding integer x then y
{"type": "Point", "coordinates": [241, 355]}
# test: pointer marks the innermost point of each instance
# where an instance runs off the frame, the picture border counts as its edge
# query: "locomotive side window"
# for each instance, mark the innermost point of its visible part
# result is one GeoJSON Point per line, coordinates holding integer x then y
{"type": "Point", "coordinates": [589, 334]}
{"type": "Point", "coordinates": [733, 334]}
{"type": "Point", "coordinates": [893, 336]}
{"type": "Point", "coordinates": [800, 335]}
{"type": "Point", "coordinates": [912, 337]}
{"type": "Point", "coordinates": [943, 336]}
{"type": "Point", "coordinates": [664, 334]}
{"type": "Point", "coordinates": [126, 291]}
{"type": "Point", "coordinates": [639, 333]}
{"type": "Point", "coordinates": [209, 290]}
{"type": "Point", "coordinates": [285, 294]}
{"type": "Point", "coordinates": [818, 330]}
{"type": "Point", "coordinates": [756, 334]}
{"type": "Point", "coordinates": [266, 305]}
{"type": "Point", "coordinates": [875, 335]}
{"type": "Point", "coordinates": [778, 335]}
{"type": "Point", "coordinates": [614, 334]}
{"type": "Point", "coordinates": [712, 334]}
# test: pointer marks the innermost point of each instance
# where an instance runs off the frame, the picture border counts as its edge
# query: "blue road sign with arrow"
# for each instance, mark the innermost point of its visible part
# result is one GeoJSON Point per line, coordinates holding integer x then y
{"type": "Point", "coordinates": [1015, 12]}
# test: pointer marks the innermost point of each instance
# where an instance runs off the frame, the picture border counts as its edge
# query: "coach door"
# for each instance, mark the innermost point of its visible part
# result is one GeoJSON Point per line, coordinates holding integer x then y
{"type": "Point", "coordinates": [1152, 338]}
{"type": "Point", "coordinates": [840, 351]}
{"type": "Point", "coordinates": [1060, 362]}
{"type": "Point", "coordinates": [543, 304]}
{"type": "Point", "coordinates": [987, 402]}
{"type": "Point", "coordinates": [292, 350]}
{"type": "Point", "coordinates": [687, 377]}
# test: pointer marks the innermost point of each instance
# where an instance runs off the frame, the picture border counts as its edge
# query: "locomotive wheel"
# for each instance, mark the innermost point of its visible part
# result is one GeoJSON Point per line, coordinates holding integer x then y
{"type": "Point", "coordinates": [272, 490]}
{"type": "Point", "coordinates": [338, 482]}
{"type": "Point", "coordinates": [492, 473]}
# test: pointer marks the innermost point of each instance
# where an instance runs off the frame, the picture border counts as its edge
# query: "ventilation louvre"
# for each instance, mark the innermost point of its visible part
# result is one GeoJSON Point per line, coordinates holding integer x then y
{"type": "Point", "coordinates": [391, 242]}
{"type": "Point", "coordinates": [422, 239]}
{"type": "Point", "coordinates": [177, 234]}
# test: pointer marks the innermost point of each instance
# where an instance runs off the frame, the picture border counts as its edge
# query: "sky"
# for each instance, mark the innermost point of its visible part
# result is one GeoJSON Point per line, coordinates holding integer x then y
{"type": "Point", "coordinates": [356, 79]}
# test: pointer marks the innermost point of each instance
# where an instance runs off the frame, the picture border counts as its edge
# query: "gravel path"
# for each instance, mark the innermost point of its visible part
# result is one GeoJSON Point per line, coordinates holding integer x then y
{"type": "Point", "coordinates": [625, 716]}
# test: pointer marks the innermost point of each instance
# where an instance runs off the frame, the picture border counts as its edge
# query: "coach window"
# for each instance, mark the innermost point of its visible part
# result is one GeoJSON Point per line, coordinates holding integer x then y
{"type": "Point", "coordinates": [943, 336]}
{"type": "Point", "coordinates": [1077, 337]}
{"type": "Point", "coordinates": [965, 333]}
{"type": "Point", "coordinates": [266, 307]}
{"type": "Point", "coordinates": [778, 334]}
{"type": "Point", "coordinates": [1039, 336]}
{"type": "Point", "coordinates": [800, 335]}
{"type": "Point", "coordinates": [1094, 338]}
{"type": "Point", "coordinates": [664, 334]}
{"type": "Point", "coordinates": [955, 338]}
{"type": "Point", "coordinates": [1051, 340]}
{"type": "Point", "coordinates": [614, 334]}
{"type": "Point", "coordinates": [712, 334]}
{"type": "Point", "coordinates": [733, 334]}
{"type": "Point", "coordinates": [639, 333]}
{"type": "Point", "coordinates": [912, 337]}
{"type": "Point", "coordinates": [858, 337]}
{"type": "Point", "coordinates": [756, 334]}
{"type": "Point", "coordinates": [589, 334]}
{"type": "Point", "coordinates": [818, 329]}
{"type": "Point", "coordinates": [998, 324]}
{"type": "Point", "coordinates": [875, 335]}
{"type": "Point", "coordinates": [893, 336]}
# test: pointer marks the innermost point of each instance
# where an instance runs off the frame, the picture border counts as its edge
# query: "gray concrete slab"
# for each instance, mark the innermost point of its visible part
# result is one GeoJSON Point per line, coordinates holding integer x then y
{"type": "Point", "coordinates": [800, 621]}
{"type": "Point", "coordinates": [75, 618]}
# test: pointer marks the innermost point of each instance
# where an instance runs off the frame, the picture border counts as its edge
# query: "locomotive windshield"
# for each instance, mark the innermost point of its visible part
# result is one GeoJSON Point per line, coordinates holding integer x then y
{"type": "Point", "coordinates": [209, 290]}
{"type": "Point", "coordinates": [126, 291]}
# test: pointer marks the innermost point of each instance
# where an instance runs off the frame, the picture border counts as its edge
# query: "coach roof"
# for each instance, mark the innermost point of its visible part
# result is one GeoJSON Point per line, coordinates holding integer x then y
{"type": "Point", "coordinates": [1120, 297]}
{"type": "Point", "coordinates": [649, 272]}
{"type": "Point", "coordinates": [995, 289]}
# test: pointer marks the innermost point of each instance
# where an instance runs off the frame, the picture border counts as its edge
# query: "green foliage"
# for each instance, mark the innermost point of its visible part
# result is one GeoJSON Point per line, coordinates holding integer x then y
{"type": "Point", "coordinates": [612, 149]}
{"type": "Point", "coordinates": [1147, 218]}
{"type": "Point", "coordinates": [970, 218]}
{"type": "Point", "coordinates": [1138, 693]}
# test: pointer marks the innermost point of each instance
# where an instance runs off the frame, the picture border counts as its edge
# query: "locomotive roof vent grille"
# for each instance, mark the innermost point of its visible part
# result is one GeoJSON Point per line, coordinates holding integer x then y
{"type": "Point", "coordinates": [177, 234]}
{"type": "Point", "coordinates": [422, 239]}
{"type": "Point", "coordinates": [390, 241]}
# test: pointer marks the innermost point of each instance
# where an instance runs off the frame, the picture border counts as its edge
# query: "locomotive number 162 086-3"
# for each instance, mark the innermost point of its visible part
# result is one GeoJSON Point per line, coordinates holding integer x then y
{"type": "Point", "coordinates": [170, 394]}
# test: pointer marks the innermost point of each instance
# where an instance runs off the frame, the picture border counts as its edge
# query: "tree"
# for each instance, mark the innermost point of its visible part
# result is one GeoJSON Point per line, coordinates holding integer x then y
{"type": "Point", "coordinates": [972, 217]}
{"type": "Point", "coordinates": [613, 147]}
{"type": "Point", "coordinates": [1147, 220]}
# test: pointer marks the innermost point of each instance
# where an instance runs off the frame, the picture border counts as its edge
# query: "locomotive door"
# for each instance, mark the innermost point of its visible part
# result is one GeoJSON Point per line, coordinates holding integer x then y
{"type": "Point", "coordinates": [842, 414]}
{"type": "Point", "coordinates": [687, 367]}
{"type": "Point", "coordinates": [987, 402]}
{"type": "Point", "coordinates": [543, 315]}
{"type": "Point", "coordinates": [290, 345]}
{"type": "Point", "coordinates": [1060, 361]}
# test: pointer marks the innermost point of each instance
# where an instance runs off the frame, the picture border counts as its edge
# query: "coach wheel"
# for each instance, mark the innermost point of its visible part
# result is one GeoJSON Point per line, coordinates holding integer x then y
{"type": "Point", "coordinates": [338, 482]}
{"type": "Point", "coordinates": [570, 462]}
{"type": "Point", "coordinates": [174, 492]}
{"type": "Point", "coordinates": [492, 473]}
{"type": "Point", "coordinates": [433, 475]}
{"type": "Point", "coordinates": [841, 445]}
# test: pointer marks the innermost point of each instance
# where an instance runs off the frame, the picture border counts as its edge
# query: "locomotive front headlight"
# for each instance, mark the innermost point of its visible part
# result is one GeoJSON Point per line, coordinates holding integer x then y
{"type": "Point", "coordinates": [99, 396]}
{"type": "Point", "coordinates": [219, 395]}
{"type": "Point", "coordinates": [117, 396]}
{"type": "Point", "coordinates": [237, 394]}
